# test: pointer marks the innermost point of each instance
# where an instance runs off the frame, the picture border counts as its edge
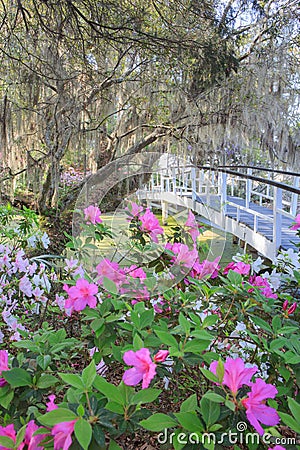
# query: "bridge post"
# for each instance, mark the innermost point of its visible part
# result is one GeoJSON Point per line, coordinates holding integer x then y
{"type": "Point", "coordinates": [174, 180]}
{"type": "Point", "coordinates": [277, 224]}
{"type": "Point", "coordinates": [164, 212]}
{"type": "Point", "coordinates": [223, 205]}
{"type": "Point", "coordinates": [193, 176]}
{"type": "Point", "coordinates": [248, 188]}
{"type": "Point", "coordinates": [294, 202]}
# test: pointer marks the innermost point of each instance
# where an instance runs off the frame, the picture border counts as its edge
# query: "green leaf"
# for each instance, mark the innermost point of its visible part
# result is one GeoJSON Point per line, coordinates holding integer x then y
{"type": "Point", "coordinates": [46, 381]}
{"type": "Point", "coordinates": [145, 396]}
{"type": "Point", "coordinates": [17, 377]}
{"type": "Point", "coordinates": [230, 405]}
{"type": "Point", "coordinates": [212, 396]}
{"type": "Point", "coordinates": [208, 374]}
{"type": "Point", "coordinates": [72, 380]}
{"type": "Point", "coordinates": [262, 324]}
{"type": "Point", "coordinates": [114, 407]}
{"type": "Point", "coordinates": [185, 324]}
{"type": "Point", "coordinates": [89, 374]}
{"type": "Point", "coordinates": [56, 416]}
{"type": "Point", "coordinates": [290, 421]}
{"type": "Point", "coordinates": [189, 420]}
{"type": "Point", "coordinates": [276, 323]}
{"type": "Point", "coordinates": [210, 320]}
{"type": "Point", "coordinates": [190, 404]}
{"type": "Point", "coordinates": [166, 338]}
{"type": "Point", "coordinates": [210, 411]}
{"type": "Point", "coordinates": [220, 370]}
{"type": "Point", "coordinates": [7, 399]}
{"type": "Point", "coordinates": [83, 433]}
{"type": "Point", "coordinates": [109, 390]}
{"type": "Point", "coordinates": [146, 318]}
{"type": "Point", "coordinates": [6, 442]}
{"type": "Point", "coordinates": [43, 361]}
{"type": "Point", "coordinates": [20, 436]}
{"type": "Point", "coordinates": [158, 422]}
{"type": "Point", "coordinates": [234, 277]}
{"type": "Point", "coordinates": [294, 407]}
{"type": "Point", "coordinates": [109, 285]}
{"type": "Point", "coordinates": [195, 346]}
{"type": "Point", "coordinates": [114, 446]}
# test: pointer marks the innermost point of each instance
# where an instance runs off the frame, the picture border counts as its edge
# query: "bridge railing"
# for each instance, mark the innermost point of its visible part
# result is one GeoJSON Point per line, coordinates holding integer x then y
{"type": "Point", "coordinates": [226, 185]}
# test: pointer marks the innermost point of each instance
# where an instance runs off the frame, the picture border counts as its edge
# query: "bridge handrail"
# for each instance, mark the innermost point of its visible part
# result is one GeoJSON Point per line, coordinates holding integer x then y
{"type": "Point", "coordinates": [284, 172]}
{"type": "Point", "coordinates": [276, 184]}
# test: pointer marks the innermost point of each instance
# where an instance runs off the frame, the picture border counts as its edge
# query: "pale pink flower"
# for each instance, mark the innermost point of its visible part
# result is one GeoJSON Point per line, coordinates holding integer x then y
{"type": "Point", "coordinates": [192, 226]}
{"type": "Point", "coordinates": [80, 296]}
{"type": "Point", "coordinates": [62, 433]}
{"type": "Point", "coordinates": [296, 225]}
{"type": "Point", "coordinates": [25, 286]}
{"type": "Point", "coordinates": [206, 267]}
{"type": "Point", "coordinates": [134, 210]}
{"type": "Point", "coordinates": [236, 374]}
{"type": "Point", "coordinates": [3, 365]}
{"type": "Point", "coordinates": [150, 225]}
{"type": "Point", "coordinates": [111, 270]}
{"type": "Point", "coordinates": [183, 255]}
{"type": "Point", "coordinates": [144, 368]}
{"type": "Point", "coordinates": [256, 408]}
{"type": "Point", "coordinates": [161, 355]}
{"type": "Point", "coordinates": [92, 215]}
{"type": "Point", "coordinates": [51, 405]}
{"type": "Point", "coordinates": [277, 447]}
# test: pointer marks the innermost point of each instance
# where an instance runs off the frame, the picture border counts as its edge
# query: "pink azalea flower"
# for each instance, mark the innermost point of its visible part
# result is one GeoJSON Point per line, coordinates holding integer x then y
{"type": "Point", "coordinates": [192, 226]}
{"type": "Point", "coordinates": [80, 296]}
{"type": "Point", "coordinates": [92, 215]}
{"type": "Point", "coordinates": [239, 267]}
{"type": "Point", "coordinates": [111, 270]}
{"type": "Point", "coordinates": [136, 272]}
{"type": "Point", "coordinates": [161, 355]}
{"type": "Point", "coordinates": [296, 225]}
{"type": "Point", "coordinates": [3, 365]}
{"type": "Point", "coordinates": [9, 431]}
{"type": "Point", "coordinates": [256, 409]}
{"type": "Point", "coordinates": [236, 374]}
{"type": "Point", "coordinates": [263, 285]}
{"type": "Point", "coordinates": [51, 405]}
{"type": "Point", "coordinates": [144, 368]}
{"type": "Point", "coordinates": [183, 255]}
{"type": "Point", "coordinates": [277, 447]}
{"type": "Point", "coordinates": [150, 225]}
{"type": "Point", "coordinates": [208, 268]}
{"type": "Point", "coordinates": [62, 433]}
{"type": "Point", "coordinates": [31, 441]}
{"type": "Point", "coordinates": [134, 210]}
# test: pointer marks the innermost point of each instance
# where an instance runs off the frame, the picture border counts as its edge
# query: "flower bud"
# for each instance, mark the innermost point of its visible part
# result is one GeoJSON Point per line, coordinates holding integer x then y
{"type": "Point", "coordinates": [285, 305]}
{"type": "Point", "coordinates": [292, 308]}
{"type": "Point", "coordinates": [161, 356]}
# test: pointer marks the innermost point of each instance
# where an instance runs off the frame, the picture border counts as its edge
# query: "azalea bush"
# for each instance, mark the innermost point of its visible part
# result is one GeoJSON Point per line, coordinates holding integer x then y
{"type": "Point", "coordinates": [171, 346]}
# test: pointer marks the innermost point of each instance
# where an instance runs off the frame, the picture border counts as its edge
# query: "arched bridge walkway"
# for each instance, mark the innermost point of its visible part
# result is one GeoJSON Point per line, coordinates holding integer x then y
{"type": "Point", "coordinates": [255, 204]}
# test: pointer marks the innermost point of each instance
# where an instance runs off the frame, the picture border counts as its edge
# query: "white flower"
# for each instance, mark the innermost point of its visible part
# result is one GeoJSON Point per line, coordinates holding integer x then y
{"type": "Point", "coordinates": [45, 240]}
{"type": "Point", "coordinates": [274, 279]}
{"type": "Point", "coordinates": [257, 264]}
{"type": "Point", "coordinates": [32, 241]}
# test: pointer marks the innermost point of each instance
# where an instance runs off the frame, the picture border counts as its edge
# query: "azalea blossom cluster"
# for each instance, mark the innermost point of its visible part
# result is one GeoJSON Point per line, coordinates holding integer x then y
{"type": "Point", "coordinates": [237, 375]}
{"type": "Point", "coordinates": [23, 285]}
{"type": "Point", "coordinates": [144, 368]}
{"type": "Point", "coordinates": [72, 177]}
{"type": "Point", "coordinates": [257, 281]}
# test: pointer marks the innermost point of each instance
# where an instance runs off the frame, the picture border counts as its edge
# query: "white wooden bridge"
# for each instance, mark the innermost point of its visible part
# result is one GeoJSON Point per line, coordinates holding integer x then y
{"type": "Point", "coordinates": [255, 204]}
